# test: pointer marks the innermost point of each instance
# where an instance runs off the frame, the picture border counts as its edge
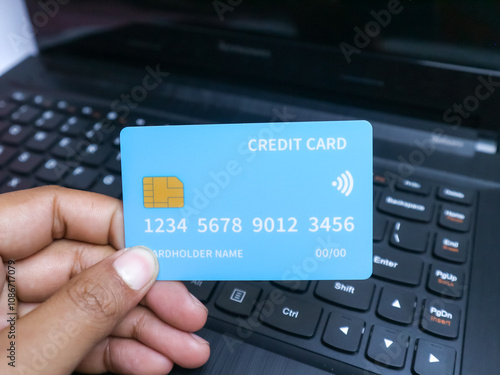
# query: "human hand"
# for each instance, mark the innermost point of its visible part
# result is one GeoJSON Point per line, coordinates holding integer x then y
{"type": "Point", "coordinates": [82, 304]}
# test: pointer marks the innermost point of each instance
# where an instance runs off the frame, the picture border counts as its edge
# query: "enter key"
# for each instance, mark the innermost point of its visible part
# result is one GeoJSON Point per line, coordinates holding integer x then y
{"type": "Point", "coordinates": [397, 266]}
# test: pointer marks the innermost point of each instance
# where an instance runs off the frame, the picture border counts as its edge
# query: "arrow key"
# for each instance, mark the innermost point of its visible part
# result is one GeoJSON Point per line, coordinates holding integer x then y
{"type": "Point", "coordinates": [388, 347]}
{"type": "Point", "coordinates": [433, 359]}
{"type": "Point", "coordinates": [343, 332]}
{"type": "Point", "coordinates": [396, 305]}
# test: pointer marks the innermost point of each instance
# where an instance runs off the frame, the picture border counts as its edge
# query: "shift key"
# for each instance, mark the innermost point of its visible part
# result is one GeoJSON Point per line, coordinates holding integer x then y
{"type": "Point", "coordinates": [397, 266]}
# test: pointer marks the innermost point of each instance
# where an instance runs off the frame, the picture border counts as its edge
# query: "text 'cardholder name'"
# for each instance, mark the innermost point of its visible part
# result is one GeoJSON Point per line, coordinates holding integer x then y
{"type": "Point", "coordinates": [267, 201]}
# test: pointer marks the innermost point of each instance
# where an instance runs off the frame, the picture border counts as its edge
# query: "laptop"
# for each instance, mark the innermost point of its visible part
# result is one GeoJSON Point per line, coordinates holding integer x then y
{"type": "Point", "coordinates": [426, 75]}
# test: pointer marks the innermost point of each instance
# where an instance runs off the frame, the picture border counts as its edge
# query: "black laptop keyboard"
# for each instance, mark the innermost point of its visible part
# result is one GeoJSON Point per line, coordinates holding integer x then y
{"type": "Point", "coordinates": [44, 140]}
{"type": "Point", "coordinates": [408, 318]}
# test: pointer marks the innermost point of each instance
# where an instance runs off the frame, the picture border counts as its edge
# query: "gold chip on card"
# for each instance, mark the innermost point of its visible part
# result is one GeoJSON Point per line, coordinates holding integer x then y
{"type": "Point", "coordinates": [163, 192]}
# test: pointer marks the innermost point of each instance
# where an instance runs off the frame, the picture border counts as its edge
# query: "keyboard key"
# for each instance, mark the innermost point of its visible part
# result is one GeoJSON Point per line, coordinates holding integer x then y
{"type": "Point", "coordinates": [296, 286]}
{"type": "Point", "coordinates": [452, 247]}
{"type": "Point", "coordinates": [81, 178]}
{"type": "Point", "coordinates": [440, 318]}
{"type": "Point", "coordinates": [414, 186]}
{"type": "Point", "coordinates": [201, 289]}
{"type": "Point", "coordinates": [110, 116]}
{"type": "Point", "coordinates": [115, 163]}
{"type": "Point", "coordinates": [49, 120]}
{"type": "Point", "coordinates": [408, 236]}
{"type": "Point", "coordinates": [65, 148]}
{"type": "Point", "coordinates": [16, 134]}
{"type": "Point", "coordinates": [94, 136]}
{"type": "Point", "coordinates": [388, 347]}
{"type": "Point", "coordinates": [101, 132]}
{"type": "Point", "coordinates": [379, 179]}
{"type": "Point", "coordinates": [20, 96]}
{"type": "Point", "coordinates": [16, 183]}
{"type": "Point", "coordinates": [137, 120]}
{"type": "Point", "coordinates": [445, 280]}
{"type": "Point", "coordinates": [456, 195]}
{"type": "Point", "coordinates": [116, 141]}
{"type": "Point", "coordinates": [407, 206]}
{"type": "Point", "coordinates": [6, 108]}
{"type": "Point", "coordinates": [41, 141]}
{"type": "Point", "coordinates": [455, 218]}
{"type": "Point", "coordinates": [379, 227]}
{"type": "Point", "coordinates": [110, 185]}
{"type": "Point", "coordinates": [291, 315]}
{"type": "Point", "coordinates": [87, 110]}
{"type": "Point", "coordinates": [6, 153]}
{"type": "Point", "coordinates": [4, 125]}
{"type": "Point", "coordinates": [433, 359]}
{"type": "Point", "coordinates": [95, 155]}
{"type": "Point", "coordinates": [74, 126]}
{"type": "Point", "coordinates": [344, 332]}
{"type": "Point", "coordinates": [52, 171]}
{"type": "Point", "coordinates": [3, 176]}
{"type": "Point", "coordinates": [93, 112]}
{"type": "Point", "coordinates": [43, 101]}
{"type": "Point", "coordinates": [26, 163]}
{"type": "Point", "coordinates": [397, 266]}
{"type": "Point", "coordinates": [64, 106]}
{"type": "Point", "coordinates": [396, 305]}
{"type": "Point", "coordinates": [238, 298]}
{"type": "Point", "coordinates": [25, 114]}
{"type": "Point", "coordinates": [355, 294]}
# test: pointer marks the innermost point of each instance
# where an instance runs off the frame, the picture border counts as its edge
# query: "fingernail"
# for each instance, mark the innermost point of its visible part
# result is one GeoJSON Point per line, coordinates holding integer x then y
{"type": "Point", "coordinates": [137, 266]}
{"type": "Point", "coordinates": [198, 303]}
{"type": "Point", "coordinates": [199, 339]}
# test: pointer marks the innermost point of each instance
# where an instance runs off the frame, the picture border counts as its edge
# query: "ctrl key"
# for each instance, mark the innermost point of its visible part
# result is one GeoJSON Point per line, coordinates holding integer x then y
{"type": "Point", "coordinates": [290, 315]}
{"type": "Point", "coordinates": [440, 318]}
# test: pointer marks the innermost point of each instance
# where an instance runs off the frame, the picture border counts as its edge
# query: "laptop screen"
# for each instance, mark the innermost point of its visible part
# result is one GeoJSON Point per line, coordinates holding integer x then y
{"type": "Point", "coordinates": [380, 49]}
{"type": "Point", "coordinates": [463, 32]}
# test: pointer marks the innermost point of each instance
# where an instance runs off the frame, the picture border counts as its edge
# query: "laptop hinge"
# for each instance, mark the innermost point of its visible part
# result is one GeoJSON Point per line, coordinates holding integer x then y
{"type": "Point", "coordinates": [440, 139]}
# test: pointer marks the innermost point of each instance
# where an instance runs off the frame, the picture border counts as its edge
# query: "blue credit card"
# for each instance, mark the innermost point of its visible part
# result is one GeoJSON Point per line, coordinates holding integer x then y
{"type": "Point", "coordinates": [266, 201]}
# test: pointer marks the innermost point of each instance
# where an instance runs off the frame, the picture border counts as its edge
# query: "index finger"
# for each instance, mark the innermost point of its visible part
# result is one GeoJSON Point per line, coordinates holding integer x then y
{"type": "Point", "coordinates": [31, 219]}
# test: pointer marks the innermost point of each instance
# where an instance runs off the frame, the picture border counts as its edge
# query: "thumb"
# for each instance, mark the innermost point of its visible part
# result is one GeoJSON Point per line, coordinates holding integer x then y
{"type": "Point", "coordinates": [56, 336]}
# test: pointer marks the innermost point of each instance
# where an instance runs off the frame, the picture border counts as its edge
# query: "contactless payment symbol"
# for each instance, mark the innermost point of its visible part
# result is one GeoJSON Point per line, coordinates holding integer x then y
{"type": "Point", "coordinates": [344, 183]}
{"type": "Point", "coordinates": [163, 192]}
